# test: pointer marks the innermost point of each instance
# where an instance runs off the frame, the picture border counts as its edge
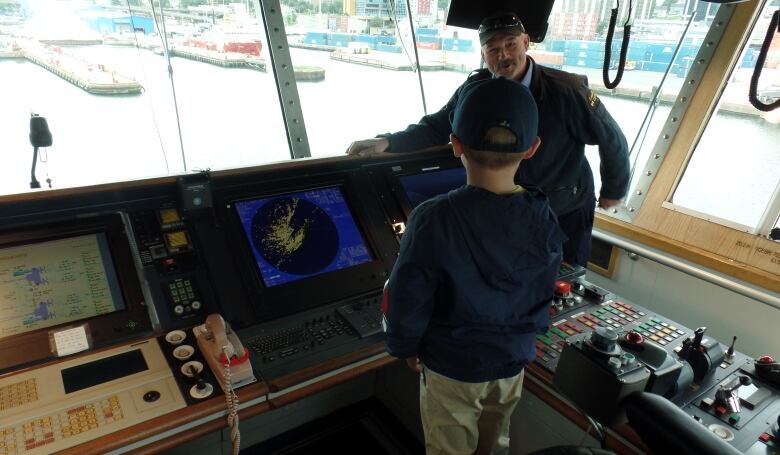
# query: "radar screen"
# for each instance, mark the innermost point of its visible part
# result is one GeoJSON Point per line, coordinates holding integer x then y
{"type": "Point", "coordinates": [424, 185]}
{"type": "Point", "coordinates": [298, 235]}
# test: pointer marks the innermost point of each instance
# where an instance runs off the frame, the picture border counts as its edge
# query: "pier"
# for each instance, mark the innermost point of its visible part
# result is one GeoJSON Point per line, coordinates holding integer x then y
{"type": "Point", "coordinates": [383, 62]}
{"type": "Point", "coordinates": [223, 59]}
{"type": "Point", "coordinates": [90, 77]}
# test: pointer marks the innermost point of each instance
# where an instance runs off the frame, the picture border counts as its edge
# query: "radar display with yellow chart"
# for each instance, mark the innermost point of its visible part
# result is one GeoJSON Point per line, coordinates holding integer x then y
{"type": "Point", "coordinates": [297, 235]}
{"type": "Point", "coordinates": [56, 282]}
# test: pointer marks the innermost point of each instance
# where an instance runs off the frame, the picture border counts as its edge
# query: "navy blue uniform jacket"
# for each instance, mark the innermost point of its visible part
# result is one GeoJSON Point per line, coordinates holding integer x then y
{"type": "Point", "coordinates": [473, 283]}
{"type": "Point", "coordinates": [570, 116]}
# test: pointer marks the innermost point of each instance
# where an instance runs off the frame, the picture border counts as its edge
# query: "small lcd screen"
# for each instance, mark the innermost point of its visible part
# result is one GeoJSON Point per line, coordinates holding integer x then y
{"type": "Point", "coordinates": [56, 282]}
{"type": "Point", "coordinates": [104, 370]}
{"type": "Point", "coordinates": [425, 185]}
{"type": "Point", "coordinates": [298, 235]}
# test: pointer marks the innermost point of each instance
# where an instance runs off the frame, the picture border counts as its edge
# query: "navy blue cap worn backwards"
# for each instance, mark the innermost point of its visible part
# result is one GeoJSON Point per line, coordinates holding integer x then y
{"type": "Point", "coordinates": [489, 103]}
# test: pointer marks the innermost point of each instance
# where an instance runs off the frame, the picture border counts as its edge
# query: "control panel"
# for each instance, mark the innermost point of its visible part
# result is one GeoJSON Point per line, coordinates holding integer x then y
{"type": "Point", "coordinates": [190, 369]}
{"type": "Point", "coordinates": [602, 347]}
{"type": "Point", "coordinates": [61, 405]}
{"type": "Point", "coordinates": [286, 345]}
{"type": "Point", "coordinates": [738, 404]}
{"type": "Point", "coordinates": [594, 307]}
{"type": "Point", "coordinates": [171, 266]}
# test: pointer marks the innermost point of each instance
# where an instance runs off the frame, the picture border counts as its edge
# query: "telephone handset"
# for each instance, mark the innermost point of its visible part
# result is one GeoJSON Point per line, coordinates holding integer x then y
{"type": "Point", "coordinates": [219, 343]}
{"type": "Point", "coordinates": [229, 361]}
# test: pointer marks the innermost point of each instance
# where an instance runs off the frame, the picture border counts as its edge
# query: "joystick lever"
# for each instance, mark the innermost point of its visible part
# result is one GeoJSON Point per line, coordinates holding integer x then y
{"type": "Point", "coordinates": [727, 393]}
{"type": "Point", "coordinates": [200, 383]}
{"type": "Point", "coordinates": [698, 335]}
{"type": "Point", "coordinates": [730, 352]}
{"type": "Point", "coordinates": [704, 354]}
{"type": "Point", "coordinates": [692, 344]}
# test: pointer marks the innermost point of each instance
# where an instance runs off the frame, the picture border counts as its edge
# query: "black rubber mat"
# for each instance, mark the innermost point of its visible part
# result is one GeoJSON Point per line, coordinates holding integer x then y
{"type": "Point", "coordinates": [365, 427]}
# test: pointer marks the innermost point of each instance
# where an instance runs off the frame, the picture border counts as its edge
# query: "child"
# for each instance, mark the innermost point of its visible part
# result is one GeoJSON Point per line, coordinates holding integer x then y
{"type": "Point", "coordinates": [475, 276]}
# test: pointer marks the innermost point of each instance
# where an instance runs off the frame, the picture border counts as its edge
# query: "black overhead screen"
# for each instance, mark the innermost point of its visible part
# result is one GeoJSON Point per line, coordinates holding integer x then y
{"type": "Point", "coordinates": [533, 13]}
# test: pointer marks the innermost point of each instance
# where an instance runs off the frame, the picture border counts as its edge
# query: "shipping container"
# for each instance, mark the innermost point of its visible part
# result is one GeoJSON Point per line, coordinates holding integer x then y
{"type": "Point", "coordinates": [430, 46]}
{"type": "Point", "coordinates": [382, 47]}
{"type": "Point", "coordinates": [423, 31]}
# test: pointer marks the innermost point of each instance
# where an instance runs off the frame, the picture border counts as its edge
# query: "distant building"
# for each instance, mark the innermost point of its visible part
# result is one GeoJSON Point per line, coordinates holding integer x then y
{"type": "Point", "coordinates": [349, 7]}
{"type": "Point", "coordinates": [425, 7]}
{"type": "Point", "coordinates": [380, 8]}
{"type": "Point", "coordinates": [105, 22]}
{"type": "Point", "coordinates": [581, 26]}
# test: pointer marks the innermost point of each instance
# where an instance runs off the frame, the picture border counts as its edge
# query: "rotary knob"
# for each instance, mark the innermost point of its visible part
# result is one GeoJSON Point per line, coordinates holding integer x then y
{"type": "Point", "coordinates": [604, 339]}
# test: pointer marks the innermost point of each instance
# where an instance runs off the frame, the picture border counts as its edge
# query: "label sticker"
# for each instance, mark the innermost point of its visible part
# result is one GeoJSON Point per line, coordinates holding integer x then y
{"type": "Point", "coordinates": [71, 341]}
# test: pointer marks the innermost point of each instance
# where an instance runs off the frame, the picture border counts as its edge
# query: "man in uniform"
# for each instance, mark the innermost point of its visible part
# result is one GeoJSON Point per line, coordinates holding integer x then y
{"type": "Point", "coordinates": [570, 116]}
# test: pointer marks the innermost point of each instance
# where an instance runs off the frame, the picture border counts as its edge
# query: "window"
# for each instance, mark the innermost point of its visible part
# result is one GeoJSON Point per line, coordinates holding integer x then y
{"type": "Point", "coordinates": [99, 77]}
{"type": "Point", "coordinates": [575, 42]}
{"type": "Point", "coordinates": [358, 86]}
{"type": "Point", "coordinates": [734, 170]}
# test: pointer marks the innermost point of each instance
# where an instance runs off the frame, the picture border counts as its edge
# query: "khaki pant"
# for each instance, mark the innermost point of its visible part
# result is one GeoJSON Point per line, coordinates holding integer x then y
{"type": "Point", "coordinates": [466, 418]}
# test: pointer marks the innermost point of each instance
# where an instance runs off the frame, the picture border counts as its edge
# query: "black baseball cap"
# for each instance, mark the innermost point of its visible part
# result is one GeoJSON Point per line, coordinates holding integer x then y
{"type": "Point", "coordinates": [488, 103]}
{"type": "Point", "coordinates": [499, 23]}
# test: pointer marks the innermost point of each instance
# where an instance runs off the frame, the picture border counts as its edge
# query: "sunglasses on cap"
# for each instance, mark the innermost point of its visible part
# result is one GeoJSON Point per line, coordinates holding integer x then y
{"type": "Point", "coordinates": [501, 22]}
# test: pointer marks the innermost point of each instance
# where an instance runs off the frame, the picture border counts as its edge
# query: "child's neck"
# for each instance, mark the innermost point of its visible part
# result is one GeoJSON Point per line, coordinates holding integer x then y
{"type": "Point", "coordinates": [500, 181]}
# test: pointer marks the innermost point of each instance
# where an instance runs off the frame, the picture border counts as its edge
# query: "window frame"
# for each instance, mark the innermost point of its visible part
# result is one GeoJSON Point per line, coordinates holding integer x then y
{"type": "Point", "coordinates": [738, 253]}
{"type": "Point", "coordinates": [771, 213]}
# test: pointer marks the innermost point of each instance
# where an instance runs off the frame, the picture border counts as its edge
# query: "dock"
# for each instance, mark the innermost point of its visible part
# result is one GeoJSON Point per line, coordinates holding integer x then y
{"type": "Point", "coordinates": [314, 47]}
{"type": "Point", "coordinates": [384, 63]}
{"type": "Point", "coordinates": [223, 59]}
{"type": "Point", "coordinates": [90, 77]}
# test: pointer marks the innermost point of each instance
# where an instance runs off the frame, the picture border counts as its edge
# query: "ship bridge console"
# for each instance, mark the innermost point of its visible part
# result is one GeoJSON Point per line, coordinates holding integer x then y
{"type": "Point", "coordinates": [109, 340]}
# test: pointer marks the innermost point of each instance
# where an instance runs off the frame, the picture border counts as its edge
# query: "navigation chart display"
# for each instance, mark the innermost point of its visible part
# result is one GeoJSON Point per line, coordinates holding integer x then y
{"type": "Point", "coordinates": [298, 235]}
{"type": "Point", "coordinates": [425, 185]}
{"type": "Point", "coordinates": [56, 282]}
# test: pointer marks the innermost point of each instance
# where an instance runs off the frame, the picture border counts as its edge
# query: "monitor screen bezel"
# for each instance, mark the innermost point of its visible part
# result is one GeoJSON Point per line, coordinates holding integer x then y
{"type": "Point", "coordinates": [270, 302]}
{"type": "Point", "coordinates": [394, 173]}
{"type": "Point", "coordinates": [106, 329]}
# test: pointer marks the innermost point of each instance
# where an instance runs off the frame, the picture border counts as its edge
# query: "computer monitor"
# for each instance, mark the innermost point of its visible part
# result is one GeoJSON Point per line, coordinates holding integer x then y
{"type": "Point", "coordinates": [307, 245]}
{"type": "Point", "coordinates": [298, 235]}
{"type": "Point", "coordinates": [76, 273]}
{"type": "Point", "coordinates": [427, 183]}
{"type": "Point", "coordinates": [533, 13]}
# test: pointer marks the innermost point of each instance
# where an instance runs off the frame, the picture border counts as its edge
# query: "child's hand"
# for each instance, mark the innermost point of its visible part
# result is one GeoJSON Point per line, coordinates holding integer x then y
{"type": "Point", "coordinates": [414, 364]}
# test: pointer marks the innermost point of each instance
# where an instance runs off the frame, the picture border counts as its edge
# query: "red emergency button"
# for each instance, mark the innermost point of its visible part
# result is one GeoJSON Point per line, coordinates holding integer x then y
{"type": "Point", "coordinates": [562, 287]}
{"type": "Point", "coordinates": [765, 359]}
{"type": "Point", "coordinates": [634, 338]}
{"type": "Point", "coordinates": [765, 437]}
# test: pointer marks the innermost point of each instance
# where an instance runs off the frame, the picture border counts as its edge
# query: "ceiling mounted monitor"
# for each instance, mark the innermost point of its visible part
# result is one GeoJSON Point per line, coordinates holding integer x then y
{"type": "Point", "coordinates": [533, 13]}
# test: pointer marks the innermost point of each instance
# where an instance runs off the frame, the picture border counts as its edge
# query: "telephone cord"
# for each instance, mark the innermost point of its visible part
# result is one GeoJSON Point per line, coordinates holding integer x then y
{"type": "Point", "coordinates": [232, 405]}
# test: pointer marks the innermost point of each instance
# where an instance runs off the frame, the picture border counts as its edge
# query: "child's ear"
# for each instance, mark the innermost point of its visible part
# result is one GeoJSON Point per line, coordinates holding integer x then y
{"type": "Point", "coordinates": [532, 150]}
{"type": "Point", "coordinates": [457, 146]}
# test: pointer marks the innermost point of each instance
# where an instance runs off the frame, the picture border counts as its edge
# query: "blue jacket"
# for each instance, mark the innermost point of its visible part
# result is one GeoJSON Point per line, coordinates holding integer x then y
{"type": "Point", "coordinates": [473, 282]}
{"type": "Point", "coordinates": [570, 116]}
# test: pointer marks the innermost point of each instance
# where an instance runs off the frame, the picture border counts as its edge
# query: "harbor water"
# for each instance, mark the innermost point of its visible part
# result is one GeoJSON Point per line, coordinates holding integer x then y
{"type": "Point", "coordinates": [231, 117]}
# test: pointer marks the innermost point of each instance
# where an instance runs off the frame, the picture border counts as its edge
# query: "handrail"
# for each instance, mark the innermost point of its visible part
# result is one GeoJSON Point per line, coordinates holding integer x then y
{"type": "Point", "coordinates": [640, 250]}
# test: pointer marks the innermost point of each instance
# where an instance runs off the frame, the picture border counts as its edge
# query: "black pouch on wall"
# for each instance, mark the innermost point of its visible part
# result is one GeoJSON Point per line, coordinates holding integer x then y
{"type": "Point", "coordinates": [195, 195]}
